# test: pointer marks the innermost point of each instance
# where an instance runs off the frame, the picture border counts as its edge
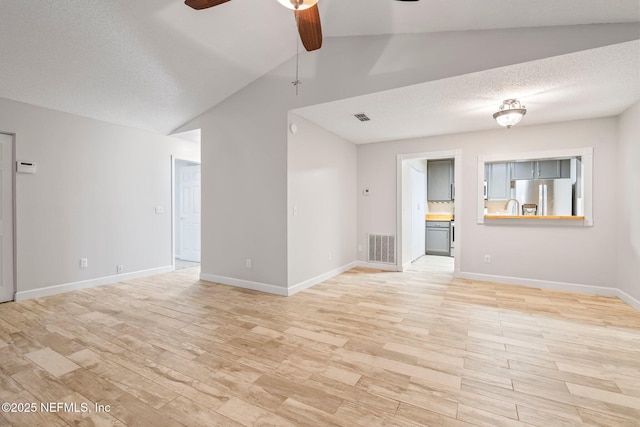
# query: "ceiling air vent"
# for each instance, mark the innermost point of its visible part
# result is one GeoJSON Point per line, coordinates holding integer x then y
{"type": "Point", "coordinates": [362, 117]}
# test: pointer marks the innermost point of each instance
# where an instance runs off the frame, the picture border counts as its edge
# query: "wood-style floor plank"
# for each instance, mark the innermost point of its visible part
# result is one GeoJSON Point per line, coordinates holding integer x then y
{"type": "Point", "coordinates": [366, 348]}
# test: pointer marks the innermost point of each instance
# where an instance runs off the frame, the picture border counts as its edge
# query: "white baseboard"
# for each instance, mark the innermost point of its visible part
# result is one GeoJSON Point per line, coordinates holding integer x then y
{"type": "Point", "coordinates": [556, 286]}
{"type": "Point", "coordinates": [378, 266]}
{"type": "Point", "coordinates": [277, 290]}
{"type": "Point", "coordinates": [246, 284]}
{"type": "Point", "coordinates": [543, 284]}
{"type": "Point", "coordinates": [628, 299]}
{"type": "Point", "coordinates": [321, 278]}
{"type": "Point", "coordinates": [107, 280]}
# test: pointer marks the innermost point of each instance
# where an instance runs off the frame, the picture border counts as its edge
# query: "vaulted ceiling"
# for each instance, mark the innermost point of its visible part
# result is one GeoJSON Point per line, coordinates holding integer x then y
{"type": "Point", "coordinates": [156, 64]}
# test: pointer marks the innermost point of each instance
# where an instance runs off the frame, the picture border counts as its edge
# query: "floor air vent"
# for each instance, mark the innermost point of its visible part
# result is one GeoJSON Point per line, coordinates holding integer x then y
{"type": "Point", "coordinates": [382, 248]}
{"type": "Point", "coordinates": [362, 117]}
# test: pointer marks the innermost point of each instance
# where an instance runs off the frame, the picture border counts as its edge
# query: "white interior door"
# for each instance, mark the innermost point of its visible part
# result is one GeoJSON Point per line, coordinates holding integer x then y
{"type": "Point", "coordinates": [6, 218]}
{"type": "Point", "coordinates": [418, 212]}
{"type": "Point", "coordinates": [190, 213]}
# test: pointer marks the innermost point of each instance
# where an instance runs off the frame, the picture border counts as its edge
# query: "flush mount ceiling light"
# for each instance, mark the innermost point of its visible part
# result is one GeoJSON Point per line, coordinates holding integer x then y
{"type": "Point", "coordinates": [298, 4]}
{"type": "Point", "coordinates": [510, 113]}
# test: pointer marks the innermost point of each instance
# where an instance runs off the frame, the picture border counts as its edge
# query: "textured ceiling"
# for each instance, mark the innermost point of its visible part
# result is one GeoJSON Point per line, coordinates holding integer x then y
{"type": "Point", "coordinates": [593, 83]}
{"type": "Point", "coordinates": [156, 64]}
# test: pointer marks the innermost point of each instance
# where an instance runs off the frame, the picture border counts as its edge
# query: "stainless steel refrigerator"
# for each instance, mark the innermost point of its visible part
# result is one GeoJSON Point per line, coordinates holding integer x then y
{"type": "Point", "coordinates": [551, 196]}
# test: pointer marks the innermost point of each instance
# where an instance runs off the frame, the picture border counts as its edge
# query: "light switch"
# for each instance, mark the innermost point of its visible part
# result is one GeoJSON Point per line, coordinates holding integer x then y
{"type": "Point", "coordinates": [159, 209]}
{"type": "Point", "coordinates": [26, 167]}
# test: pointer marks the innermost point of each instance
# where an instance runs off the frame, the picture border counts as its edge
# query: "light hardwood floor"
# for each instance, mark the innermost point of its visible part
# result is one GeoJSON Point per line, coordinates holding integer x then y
{"type": "Point", "coordinates": [367, 348]}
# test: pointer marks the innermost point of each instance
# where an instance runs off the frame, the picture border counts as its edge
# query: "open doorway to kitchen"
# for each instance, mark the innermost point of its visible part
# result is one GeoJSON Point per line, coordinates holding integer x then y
{"type": "Point", "coordinates": [426, 209]}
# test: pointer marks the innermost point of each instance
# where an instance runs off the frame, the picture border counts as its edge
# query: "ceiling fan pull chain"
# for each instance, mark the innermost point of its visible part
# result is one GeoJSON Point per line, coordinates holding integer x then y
{"type": "Point", "coordinates": [297, 81]}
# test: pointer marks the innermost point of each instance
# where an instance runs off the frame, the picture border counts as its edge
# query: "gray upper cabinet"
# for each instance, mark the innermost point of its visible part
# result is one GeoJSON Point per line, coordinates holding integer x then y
{"type": "Point", "coordinates": [548, 169]}
{"type": "Point", "coordinates": [565, 168]}
{"type": "Point", "coordinates": [440, 180]}
{"type": "Point", "coordinates": [523, 170]}
{"type": "Point", "coordinates": [498, 181]}
{"type": "Point", "coordinates": [541, 169]}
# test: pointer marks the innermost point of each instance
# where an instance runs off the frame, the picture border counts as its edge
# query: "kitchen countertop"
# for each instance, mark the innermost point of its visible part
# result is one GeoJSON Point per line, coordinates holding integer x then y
{"type": "Point", "coordinates": [534, 217]}
{"type": "Point", "coordinates": [438, 217]}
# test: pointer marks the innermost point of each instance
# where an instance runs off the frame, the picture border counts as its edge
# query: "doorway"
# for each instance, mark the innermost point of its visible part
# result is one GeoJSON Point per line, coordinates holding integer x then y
{"type": "Point", "coordinates": [186, 213]}
{"type": "Point", "coordinates": [7, 176]}
{"type": "Point", "coordinates": [407, 218]}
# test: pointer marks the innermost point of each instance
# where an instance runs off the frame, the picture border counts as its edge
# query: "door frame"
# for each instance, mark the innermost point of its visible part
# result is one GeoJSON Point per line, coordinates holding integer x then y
{"type": "Point", "coordinates": [456, 154]}
{"type": "Point", "coordinates": [174, 214]}
{"type": "Point", "coordinates": [14, 263]}
{"type": "Point", "coordinates": [422, 202]}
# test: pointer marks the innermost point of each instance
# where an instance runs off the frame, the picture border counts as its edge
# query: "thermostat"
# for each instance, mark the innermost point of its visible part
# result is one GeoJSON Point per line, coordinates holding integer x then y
{"type": "Point", "coordinates": [26, 167]}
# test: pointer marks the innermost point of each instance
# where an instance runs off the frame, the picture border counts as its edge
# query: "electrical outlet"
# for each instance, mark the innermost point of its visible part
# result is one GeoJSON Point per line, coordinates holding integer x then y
{"type": "Point", "coordinates": [248, 263]}
{"type": "Point", "coordinates": [329, 256]}
{"type": "Point", "coordinates": [120, 268]}
{"type": "Point", "coordinates": [84, 262]}
{"type": "Point", "coordinates": [487, 258]}
{"type": "Point", "coordinates": [359, 248]}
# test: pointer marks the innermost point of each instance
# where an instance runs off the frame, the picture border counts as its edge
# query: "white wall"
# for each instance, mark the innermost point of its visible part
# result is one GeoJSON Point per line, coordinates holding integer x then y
{"type": "Point", "coordinates": [628, 203]}
{"type": "Point", "coordinates": [322, 191]}
{"type": "Point", "coordinates": [244, 139]}
{"type": "Point", "coordinates": [94, 196]}
{"type": "Point", "coordinates": [577, 255]}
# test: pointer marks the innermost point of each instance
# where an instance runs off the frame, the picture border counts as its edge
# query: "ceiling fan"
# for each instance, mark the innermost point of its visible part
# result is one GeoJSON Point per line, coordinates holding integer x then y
{"type": "Point", "coordinates": [305, 11]}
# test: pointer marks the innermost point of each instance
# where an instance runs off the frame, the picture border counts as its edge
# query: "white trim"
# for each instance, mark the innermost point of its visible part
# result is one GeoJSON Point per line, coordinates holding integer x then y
{"type": "Point", "coordinates": [455, 154]}
{"type": "Point", "coordinates": [378, 266]}
{"type": "Point", "coordinates": [586, 153]}
{"type": "Point", "coordinates": [13, 265]}
{"type": "Point", "coordinates": [319, 279]}
{"type": "Point", "coordinates": [399, 160]}
{"type": "Point", "coordinates": [246, 284]}
{"type": "Point", "coordinates": [556, 286]}
{"type": "Point", "coordinates": [587, 185]}
{"type": "Point", "coordinates": [628, 299]}
{"type": "Point", "coordinates": [480, 190]}
{"type": "Point", "coordinates": [84, 284]}
{"type": "Point", "coordinates": [174, 215]}
{"type": "Point", "coordinates": [543, 284]}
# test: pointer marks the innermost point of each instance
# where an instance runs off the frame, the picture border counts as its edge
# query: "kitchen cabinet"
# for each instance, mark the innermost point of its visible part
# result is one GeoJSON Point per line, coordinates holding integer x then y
{"type": "Point", "coordinates": [523, 170]}
{"type": "Point", "coordinates": [565, 168]}
{"type": "Point", "coordinates": [541, 169]}
{"type": "Point", "coordinates": [548, 169]}
{"type": "Point", "coordinates": [438, 238]}
{"type": "Point", "coordinates": [498, 176]}
{"type": "Point", "coordinates": [440, 180]}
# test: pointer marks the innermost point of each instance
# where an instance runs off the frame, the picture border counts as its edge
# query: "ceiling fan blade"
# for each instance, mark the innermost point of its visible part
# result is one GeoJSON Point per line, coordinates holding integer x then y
{"type": "Point", "coordinates": [309, 27]}
{"type": "Point", "coordinates": [203, 4]}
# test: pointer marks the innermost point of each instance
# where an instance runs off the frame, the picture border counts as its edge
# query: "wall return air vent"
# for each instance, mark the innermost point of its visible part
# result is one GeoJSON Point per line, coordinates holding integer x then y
{"type": "Point", "coordinates": [382, 248]}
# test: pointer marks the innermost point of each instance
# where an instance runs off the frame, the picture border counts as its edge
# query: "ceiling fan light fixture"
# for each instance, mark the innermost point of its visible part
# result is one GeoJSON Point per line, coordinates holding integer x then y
{"type": "Point", "coordinates": [298, 4]}
{"type": "Point", "coordinates": [510, 113]}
